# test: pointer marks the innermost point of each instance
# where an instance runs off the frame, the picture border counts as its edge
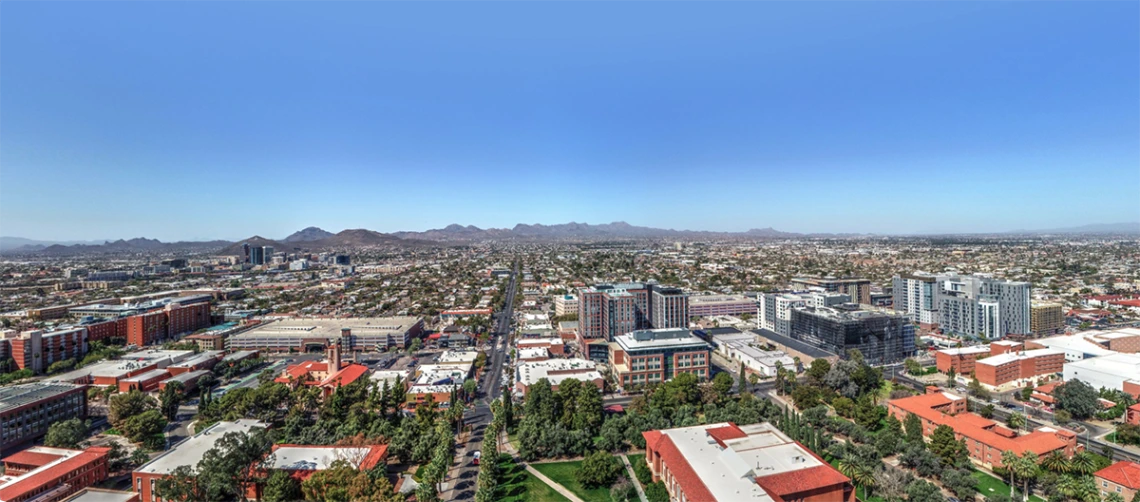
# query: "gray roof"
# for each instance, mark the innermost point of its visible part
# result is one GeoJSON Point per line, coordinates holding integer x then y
{"type": "Point", "coordinates": [15, 396]}
{"type": "Point", "coordinates": [793, 344]}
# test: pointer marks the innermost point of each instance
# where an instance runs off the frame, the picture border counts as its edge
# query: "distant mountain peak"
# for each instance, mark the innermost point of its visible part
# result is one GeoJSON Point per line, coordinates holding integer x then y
{"type": "Point", "coordinates": [308, 234]}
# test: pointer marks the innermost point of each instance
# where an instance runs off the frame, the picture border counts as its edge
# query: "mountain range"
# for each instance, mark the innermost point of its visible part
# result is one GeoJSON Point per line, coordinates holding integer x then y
{"type": "Point", "coordinates": [313, 238]}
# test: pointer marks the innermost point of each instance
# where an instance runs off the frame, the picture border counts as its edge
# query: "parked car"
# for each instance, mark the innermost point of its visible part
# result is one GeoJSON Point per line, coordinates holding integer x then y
{"type": "Point", "coordinates": [477, 455]}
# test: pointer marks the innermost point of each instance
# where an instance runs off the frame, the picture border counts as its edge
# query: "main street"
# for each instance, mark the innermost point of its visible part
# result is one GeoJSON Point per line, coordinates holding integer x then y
{"type": "Point", "coordinates": [490, 385]}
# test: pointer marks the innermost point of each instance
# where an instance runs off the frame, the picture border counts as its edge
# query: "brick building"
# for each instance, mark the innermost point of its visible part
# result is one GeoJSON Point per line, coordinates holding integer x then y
{"type": "Point", "coordinates": [105, 329]}
{"type": "Point", "coordinates": [985, 439]}
{"type": "Point", "coordinates": [302, 461]}
{"type": "Point", "coordinates": [656, 355]}
{"type": "Point", "coordinates": [960, 359]}
{"type": "Point", "coordinates": [43, 474]}
{"type": "Point", "coordinates": [38, 349]}
{"type": "Point", "coordinates": [26, 410]}
{"type": "Point", "coordinates": [728, 463]}
{"type": "Point", "coordinates": [1016, 366]}
{"type": "Point", "coordinates": [1122, 478]}
{"type": "Point", "coordinates": [145, 329]}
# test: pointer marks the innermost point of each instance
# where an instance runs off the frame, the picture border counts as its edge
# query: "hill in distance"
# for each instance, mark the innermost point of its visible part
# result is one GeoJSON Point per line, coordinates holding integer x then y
{"type": "Point", "coordinates": [308, 235]}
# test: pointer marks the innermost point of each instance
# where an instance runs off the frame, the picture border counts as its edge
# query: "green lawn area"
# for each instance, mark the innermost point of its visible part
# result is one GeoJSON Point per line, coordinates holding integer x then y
{"type": "Point", "coordinates": [513, 439]}
{"type": "Point", "coordinates": [989, 485]}
{"type": "Point", "coordinates": [517, 485]}
{"type": "Point", "coordinates": [563, 474]}
{"type": "Point", "coordinates": [634, 460]}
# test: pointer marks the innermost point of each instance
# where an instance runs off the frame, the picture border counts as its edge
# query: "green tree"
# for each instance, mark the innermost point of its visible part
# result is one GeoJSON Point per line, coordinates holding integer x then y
{"type": "Point", "coordinates": [69, 433]}
{"type": "Point", "coordinates": [143, 428]}
{"type": "Point", "coordinates": [913, 426]}
{"type": "Point", "coordinates": [123, 406]}
{"type": "Point", "coordinates": [281, 487]}
{"type": "Point", "coordinates": [170, 399]}
{"type": "Point", "coordinates": [1078, 398]}
{"type": "Point", "coordinates": [944, 445]}
{"type": "Point", "coordinates": [977, 389]}
{"type": "Point", "coordinates": [1056, 462]}
{"type": "Point", "coordinates": [817, 371]}
{"type": "Point", "coordinates": [1016, 420]}
{"type": "Point", "coordinates": [844, 406]}
{"type": "Point", "coordinates": [1027, 469]}
{"type": "Point", "coordinates": [912, 366]}
{"type": "Point", "coordinates": [741, 380]}
{"type": "Point", "coordinates": [588, 410]}
{"type": "Point", "coordinates": [921, 490]}
{"type": "Point", "coordinates": [722, 385]}
{"type": "Point", "coordinates": [598, 469]}
{"type": "Point", "coordinates": [867, 413]}
{"type": "Point", "coordinates": [950, 377]}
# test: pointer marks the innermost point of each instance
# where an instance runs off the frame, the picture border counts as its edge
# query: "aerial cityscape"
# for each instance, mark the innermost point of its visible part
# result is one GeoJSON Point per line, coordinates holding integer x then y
{"type": "Point", "coordinates": [570, 252]}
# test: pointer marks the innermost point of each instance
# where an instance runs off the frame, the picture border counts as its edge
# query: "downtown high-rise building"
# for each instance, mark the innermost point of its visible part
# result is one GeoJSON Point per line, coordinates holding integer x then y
{"type": "Point", "coordinates": [609, 310]}
{"type": "Point", "coordinates": [967, 305]}
{"type": "Point", "coordinates": [775, 309]}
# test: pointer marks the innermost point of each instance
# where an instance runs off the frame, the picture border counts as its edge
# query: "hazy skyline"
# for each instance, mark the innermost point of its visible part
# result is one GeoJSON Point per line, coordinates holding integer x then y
{"type": "Point", "coordinates": [222, 120]}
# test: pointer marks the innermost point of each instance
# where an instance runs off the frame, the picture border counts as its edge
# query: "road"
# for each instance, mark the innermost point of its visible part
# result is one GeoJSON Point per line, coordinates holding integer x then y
{"type": "Point", "coordinates": [490, 388]}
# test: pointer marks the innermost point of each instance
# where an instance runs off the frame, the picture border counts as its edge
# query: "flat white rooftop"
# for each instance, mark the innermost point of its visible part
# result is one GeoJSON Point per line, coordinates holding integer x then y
{"type": "Point", "coordinates": [562, 369]}
{"type": "Point", "coordinates": [960, 351]}
{"type": "Point", "coordinates": [312, 458]}
{"type": "Point", "coordinates": [1009, 357]}
{"type": "Point", "coordinates": [191, 450]}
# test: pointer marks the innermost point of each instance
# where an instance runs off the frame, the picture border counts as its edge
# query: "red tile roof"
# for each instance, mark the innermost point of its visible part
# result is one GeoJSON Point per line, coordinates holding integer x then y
{"type": "Point", "coordinates": [28, 457]}
{"type": "Point", "coordinates": [726, 433]}
{"type": "Point", "coordinates": [1047, 389]}
{"type": "Point", "coordinates": [683, 473]}
{"type": "Point", "coordinates": [52, 475]}
{"type": "Point", "coordinates": [1123, 473]}
{"type": "Point", "coordinates": [787, 484]}
{"type": "Point", "coordinates": [346, 375]}
{"type": "Point", "coordinates": [977, 428]}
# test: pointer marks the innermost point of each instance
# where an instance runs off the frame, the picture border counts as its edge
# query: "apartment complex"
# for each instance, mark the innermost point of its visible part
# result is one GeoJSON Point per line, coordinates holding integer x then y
{"type": "Point", "coordinates": [715, 305]}
{"type": "Point", "coordinates": [724, 462]}
{"type": "Point", "coordinates": [859, 290]}
{"type": "Point", "coordinates": [606, 311]}
{"type": "Point", "coordinates": [1046, 318]}
{"type": "Point", "coordinates": [970, 305]}
{"type": "Point", "coordinates": [883, 337]}
{"type": "Point", "coordinates": [960, 359]}
{"type": "Point", "coordinates": [775, 309]}
{"type": "Point", "coordinates": [359, 334]}
{"type": "Point", "coordinates": [985, 439]}
{"type": "Point", "coordinates": [656, 355]}
{"type": "Point", "coordinates": [43, 474]}
{"type": "Point", "coordinates": [37, 349]}
{"type": "Point", "coordinates": [26, 410]}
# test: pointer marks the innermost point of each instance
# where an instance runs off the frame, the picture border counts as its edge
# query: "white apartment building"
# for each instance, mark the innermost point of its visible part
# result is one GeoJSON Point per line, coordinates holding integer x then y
{"type": "Point", "coordinates": [775, 311]}
{"type": "Point", "coordinates": [972, 305]}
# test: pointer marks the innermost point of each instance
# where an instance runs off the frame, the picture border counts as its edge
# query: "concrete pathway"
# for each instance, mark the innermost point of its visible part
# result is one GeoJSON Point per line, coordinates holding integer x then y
{"type": "Point", "coordinates": [633, 478]}
{"type": "Point", "coordinates": [557, 487]}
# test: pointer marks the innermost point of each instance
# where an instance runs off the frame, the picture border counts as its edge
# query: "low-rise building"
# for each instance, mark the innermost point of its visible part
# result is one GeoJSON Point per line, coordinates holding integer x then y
{"type": "Point", "coordinates": [1018, 367]}
{"type": "Point", "coordinates": [655, 355]}
{"type": "Point", "coordinates": [742, 348]}
{"type": "Point", "coordinates": [1115, 371]}
{"type": "Point", "coordinates": [188, 452]}
{"type": "Point", "coordinates": [1121, 478]}
{"type": "Point", "coordinates": [328, 375]}
{"type": "Point", "coordinates": [985, 439]}
{"type": "Point", "coordinates": [728, 463]}
{"type": "Point", "coordinates": [302, 461]}
{"type": "Point", "coordinates": [565, 305]}
{"type": "Point", "coordinates": [43, 474]}
{"type": "Point", "coordinates": [555, 371]}
{"type": "Point", "coordinates": [960, 359]}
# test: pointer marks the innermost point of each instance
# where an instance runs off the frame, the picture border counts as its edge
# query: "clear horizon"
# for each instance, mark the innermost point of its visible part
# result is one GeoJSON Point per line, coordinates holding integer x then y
{"type": "Point", "coordinates": [184, 121]}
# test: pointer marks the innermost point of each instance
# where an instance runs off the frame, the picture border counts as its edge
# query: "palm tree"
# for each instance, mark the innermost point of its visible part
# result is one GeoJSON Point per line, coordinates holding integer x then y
{"type": "Point", "coordinates": [1056, 462]}
{"type": "Point", "coordinates": [1068, 486]}
{"type": "Point", "coordinates": [1026, 468]}
{"type": "Point", "coordinates": [859, 473]}
{"type": "Point", "coordinates": [1083, 463]}
{"type": "Point", "coordinates": [1008, 460]}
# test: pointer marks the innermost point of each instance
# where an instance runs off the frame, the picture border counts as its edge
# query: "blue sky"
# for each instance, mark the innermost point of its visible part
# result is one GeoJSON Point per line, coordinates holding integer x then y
{"type": "Point", "coordinates": [224, 120]}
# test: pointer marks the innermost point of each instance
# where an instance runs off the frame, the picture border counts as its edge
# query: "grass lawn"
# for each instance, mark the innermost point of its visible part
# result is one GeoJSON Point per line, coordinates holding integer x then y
{"type": "Point", "coordinates": [563, 474]}
{"type": "Point", "coordinates": [989, 485]}
{"type": "Point", "coordinates": [518, 485]}
{"type": "Point", "coordinates": [513, 439]}
{"type": "Point", "coordinates": [637, 458]}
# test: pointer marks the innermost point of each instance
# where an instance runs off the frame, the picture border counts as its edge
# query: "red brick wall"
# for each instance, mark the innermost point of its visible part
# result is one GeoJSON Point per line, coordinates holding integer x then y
{"type": "Point", "coordinates": [144, 329]}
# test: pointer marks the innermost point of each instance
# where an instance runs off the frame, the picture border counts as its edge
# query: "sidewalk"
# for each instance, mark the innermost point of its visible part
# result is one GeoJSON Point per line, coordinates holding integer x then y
{"type": "Point", "coordinates": [549, 482]}
{"type": "Point", "coordinates": [633, 478]}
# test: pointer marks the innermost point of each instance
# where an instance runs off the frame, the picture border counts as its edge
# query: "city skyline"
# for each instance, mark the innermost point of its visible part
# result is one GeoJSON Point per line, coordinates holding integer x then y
{"type": "Point", "coordinates": [223, 121]}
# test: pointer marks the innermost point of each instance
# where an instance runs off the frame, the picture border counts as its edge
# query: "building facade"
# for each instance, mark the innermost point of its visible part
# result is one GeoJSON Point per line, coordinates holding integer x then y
{"type": "Point", "coordinates": [968, 305]}
{"type": "Point", "coordinates": [714, 305]}
{"type": "Point", "coordinates": [1121, 478]}
{"type": "Point", "coordinates": [1018, 366]}
{"type": "Point", "coordinates": [883, 337]}
{"type": "Point", "coordinates": [37, 350]}
{"type": "Point", "coordinates": [26, 410]}
{"type": "Point", "coordinates": [649, 356]}
{"type": "Point", "coordinates": [565, 305]}
{"type": "Point", "coordinates": [1046, 318]}
{"type": "Point", "coordinates": [609, 310]}
{"type": "Point", "coordinates": [670, 308]}
{"type": "Point", "coordinates": [43, 474]}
